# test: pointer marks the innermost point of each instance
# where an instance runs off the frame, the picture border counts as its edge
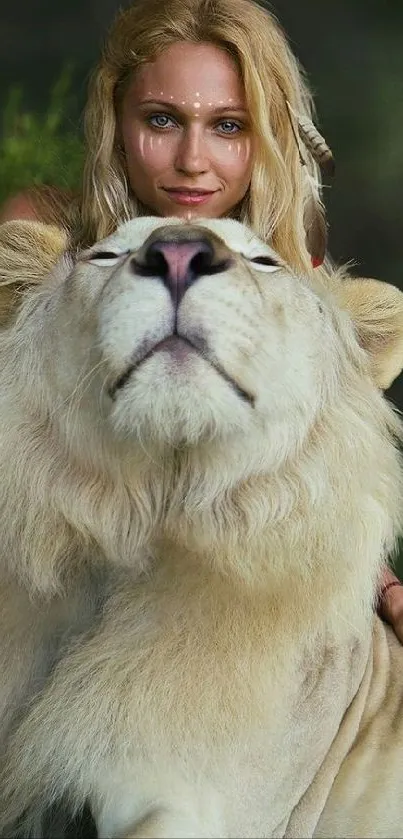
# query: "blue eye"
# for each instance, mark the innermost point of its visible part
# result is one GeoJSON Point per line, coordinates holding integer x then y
{"type": "Point", "coordinates": [160, 120]}
{"type": "Point", "coordinates": [228, 126]}
{"type": "Point", "coordinates": [164, 121]}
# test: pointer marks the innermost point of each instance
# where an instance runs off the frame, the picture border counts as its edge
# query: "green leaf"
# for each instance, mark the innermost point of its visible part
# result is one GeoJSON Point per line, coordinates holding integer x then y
{"type": "Point", "coordinates": [38, 148]}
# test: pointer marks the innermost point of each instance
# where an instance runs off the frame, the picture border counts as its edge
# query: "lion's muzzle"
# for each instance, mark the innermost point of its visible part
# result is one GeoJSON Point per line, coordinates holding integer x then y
{"type": "Point", "coordinates": [179, 257]}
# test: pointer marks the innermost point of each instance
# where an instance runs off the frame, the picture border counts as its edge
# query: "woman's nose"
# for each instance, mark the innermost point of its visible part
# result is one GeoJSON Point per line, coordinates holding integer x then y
{"type": "Point", "coordinates": [192, 155]}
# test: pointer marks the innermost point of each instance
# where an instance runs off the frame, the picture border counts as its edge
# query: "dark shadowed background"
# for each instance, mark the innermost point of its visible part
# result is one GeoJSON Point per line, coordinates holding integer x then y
{"type": "Point", "coordinates": [352, 51]}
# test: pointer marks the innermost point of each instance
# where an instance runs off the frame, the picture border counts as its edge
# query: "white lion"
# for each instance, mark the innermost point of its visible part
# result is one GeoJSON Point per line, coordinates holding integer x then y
{"type": "Point", "coordinates": [228, 417]}
{"type": "Point", "coordinates": [56, 476]}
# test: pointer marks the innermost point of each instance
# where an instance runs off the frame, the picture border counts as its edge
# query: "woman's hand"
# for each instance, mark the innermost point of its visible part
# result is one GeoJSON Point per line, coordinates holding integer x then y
{"type": "Point", "coordinates": [390, 604]}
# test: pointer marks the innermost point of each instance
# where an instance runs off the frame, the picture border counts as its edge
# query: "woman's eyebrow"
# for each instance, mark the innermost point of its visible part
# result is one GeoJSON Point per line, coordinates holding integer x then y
{"type": "Point", "coordinates": [220, 109]}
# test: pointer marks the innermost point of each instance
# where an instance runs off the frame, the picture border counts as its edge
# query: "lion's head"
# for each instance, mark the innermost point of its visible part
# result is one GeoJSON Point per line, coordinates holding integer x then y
{"type": "Point", "coordinates": [178, 379]}
{"type": "Point", "coordinates": [192, 334]}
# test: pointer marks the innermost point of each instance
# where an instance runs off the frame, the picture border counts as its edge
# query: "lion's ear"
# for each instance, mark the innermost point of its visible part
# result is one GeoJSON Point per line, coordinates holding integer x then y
{"type": "Point", "coordinates": [377, 311]}
{"type": "Point", "coordinates": [28, 251]}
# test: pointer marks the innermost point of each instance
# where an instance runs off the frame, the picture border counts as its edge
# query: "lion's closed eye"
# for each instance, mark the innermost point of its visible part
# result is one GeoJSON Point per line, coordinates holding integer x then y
{"type": "Point", "coordinates": [105, 258]}
{"type": "Point", "coordinates": [264, 263]}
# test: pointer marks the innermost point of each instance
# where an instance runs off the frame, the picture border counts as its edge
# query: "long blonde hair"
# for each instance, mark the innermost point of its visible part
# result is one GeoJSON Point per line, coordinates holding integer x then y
{"type": "Point", "coordinates": [280, 186]}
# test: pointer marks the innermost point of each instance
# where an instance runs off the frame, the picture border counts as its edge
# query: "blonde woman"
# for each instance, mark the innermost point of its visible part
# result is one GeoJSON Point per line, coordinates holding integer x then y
{"type": "Point", "coordinates": [196, 109]}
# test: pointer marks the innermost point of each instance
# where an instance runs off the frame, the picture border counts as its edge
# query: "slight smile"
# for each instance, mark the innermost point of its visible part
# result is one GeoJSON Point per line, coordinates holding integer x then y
{"type": "Point", "coordinates": [188, 196]}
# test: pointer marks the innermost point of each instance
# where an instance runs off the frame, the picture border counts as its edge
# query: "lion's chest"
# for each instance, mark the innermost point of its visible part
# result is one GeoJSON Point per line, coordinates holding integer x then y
{"type": "Point", "coordinates": [218, 716]}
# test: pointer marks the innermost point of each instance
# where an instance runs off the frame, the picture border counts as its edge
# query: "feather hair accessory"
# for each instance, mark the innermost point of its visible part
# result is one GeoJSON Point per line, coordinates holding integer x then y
{"type": "Point", "coordinates": [313, 141]}
{"type": "Point", "coordinates": [315, 225]}
{"type": "Point", "coordinates": [314, 212]}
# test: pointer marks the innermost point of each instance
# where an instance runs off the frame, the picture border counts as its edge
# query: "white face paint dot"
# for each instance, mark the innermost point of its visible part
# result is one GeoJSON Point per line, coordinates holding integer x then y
{"type": "Point", "coordinates": [196, 104]}
{"type": "Point", "coordinates": [197, 94]}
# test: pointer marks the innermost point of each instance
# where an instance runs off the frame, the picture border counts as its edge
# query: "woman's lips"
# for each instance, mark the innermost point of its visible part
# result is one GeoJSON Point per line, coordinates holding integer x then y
{"type": "Point", "coordinates": [188, 196]}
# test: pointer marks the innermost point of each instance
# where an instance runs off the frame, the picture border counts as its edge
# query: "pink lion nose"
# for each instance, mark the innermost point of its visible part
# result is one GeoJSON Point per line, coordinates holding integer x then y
{"type": "Point", "coordinates": [180, 264]}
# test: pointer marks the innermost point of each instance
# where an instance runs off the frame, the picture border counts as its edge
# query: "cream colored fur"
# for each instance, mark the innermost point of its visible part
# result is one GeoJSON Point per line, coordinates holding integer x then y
{"type": "Point", "coordinates": [376, 309]}
{"type": "Point", "coordinates": [258, 480]}
{"type": "Point", "coordinates": [28, 250]}
{"type": "Point", "coordinates": [54, 573]}
{"type": "Point", "coordinates": [33, 625]}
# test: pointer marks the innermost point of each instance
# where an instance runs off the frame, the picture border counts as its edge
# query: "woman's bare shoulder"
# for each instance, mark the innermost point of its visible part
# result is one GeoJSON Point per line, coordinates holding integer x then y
{"type": "Point", "coordinates": [50, 204]}
{"type": "Point", "coordinates": [18, 206]}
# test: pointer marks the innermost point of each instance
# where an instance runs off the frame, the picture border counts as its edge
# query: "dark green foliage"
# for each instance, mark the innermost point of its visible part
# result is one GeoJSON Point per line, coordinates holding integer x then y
{"type": "Point", "coordinates": [44, 147]}
{"type": "Point", "coordinates": [397, 560]}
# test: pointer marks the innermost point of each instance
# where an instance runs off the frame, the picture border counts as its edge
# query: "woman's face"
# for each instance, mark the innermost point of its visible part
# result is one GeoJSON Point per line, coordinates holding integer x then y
{"type": "Point", "coordinates": [186, 133]}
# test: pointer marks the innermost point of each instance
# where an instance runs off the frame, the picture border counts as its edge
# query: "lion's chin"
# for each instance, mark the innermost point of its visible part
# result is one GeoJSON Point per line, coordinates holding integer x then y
{"type": "Point", "coordinates": [176, 397]}
{"type": "Point", "coordinates": [179, 349]}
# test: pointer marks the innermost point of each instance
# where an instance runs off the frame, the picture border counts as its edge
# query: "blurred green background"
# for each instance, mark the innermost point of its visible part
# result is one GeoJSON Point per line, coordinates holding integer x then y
{"type": "Point", "coordinates": [352, 51]}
